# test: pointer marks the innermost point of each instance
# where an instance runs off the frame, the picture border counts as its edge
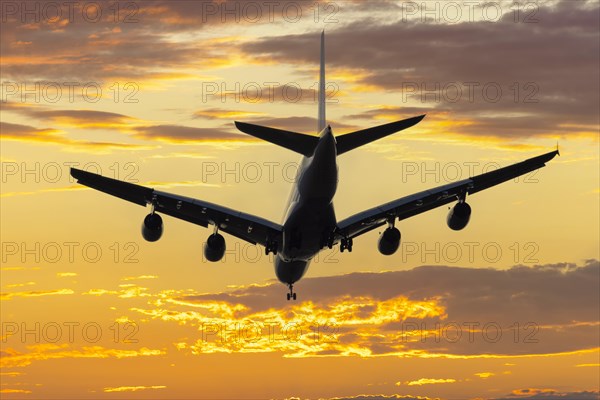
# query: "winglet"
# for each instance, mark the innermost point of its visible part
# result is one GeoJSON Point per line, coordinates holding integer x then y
{"type": "Point", "coordinates": [557, 150]}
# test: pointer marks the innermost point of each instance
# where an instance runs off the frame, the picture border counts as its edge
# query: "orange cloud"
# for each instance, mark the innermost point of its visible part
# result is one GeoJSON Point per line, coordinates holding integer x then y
{"type": "Point", "coordinates": [131, 388]}
{"type": "Point", "coordinates": [26, 133]}
{"type": "Point", "coordinates": [426, 381]}
{"type": "Point", "coordinates": [221, 113]}
{"type": "Point", "coordinates": [133, 278]}
{"type": "Point", "coordinates": [15, 391]}
{"type": "Point", "coordinates": [37, 293]}
{"type": "Point", "coordinates": [12, 358]}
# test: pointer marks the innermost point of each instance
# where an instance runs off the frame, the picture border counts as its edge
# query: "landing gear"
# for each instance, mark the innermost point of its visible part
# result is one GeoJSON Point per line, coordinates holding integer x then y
{"type": "Point", "coordinates": [291, 295]}
{"type": "Point", "coordinates": [346, 244]}
{"type": "Point", "coordinates": [330, 240]}
{"type": "Point", "coordinates": [271, 247]}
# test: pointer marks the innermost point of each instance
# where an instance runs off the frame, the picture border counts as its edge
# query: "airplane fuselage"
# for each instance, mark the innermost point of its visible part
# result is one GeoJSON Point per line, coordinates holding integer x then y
{"type": "Point", "coordinates": [310, 217]}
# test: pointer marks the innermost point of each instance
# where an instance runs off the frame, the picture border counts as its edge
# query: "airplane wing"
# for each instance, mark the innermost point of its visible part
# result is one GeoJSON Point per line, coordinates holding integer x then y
{"type": "Point", "coordinates": [418, 203]}
{"type": "Point", "coordinates": [247, 227]}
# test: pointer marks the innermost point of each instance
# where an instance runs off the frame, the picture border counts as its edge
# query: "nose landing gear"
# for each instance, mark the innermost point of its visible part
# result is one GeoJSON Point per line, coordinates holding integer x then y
{"type": "Point", "coordinates": [291, 294]}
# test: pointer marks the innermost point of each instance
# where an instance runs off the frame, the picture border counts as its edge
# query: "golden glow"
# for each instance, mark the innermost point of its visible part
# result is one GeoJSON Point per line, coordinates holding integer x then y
{"type": "Point", "coordinates": [427, 381]}
{"type": "Point", "coordinates": [169, 324]}
{"type": "Point", "coordinates": [131, 388]}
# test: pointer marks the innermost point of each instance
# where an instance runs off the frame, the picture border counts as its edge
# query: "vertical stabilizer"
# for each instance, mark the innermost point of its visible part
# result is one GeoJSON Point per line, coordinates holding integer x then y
{"type": "Point", "coordinates": [321, 122]}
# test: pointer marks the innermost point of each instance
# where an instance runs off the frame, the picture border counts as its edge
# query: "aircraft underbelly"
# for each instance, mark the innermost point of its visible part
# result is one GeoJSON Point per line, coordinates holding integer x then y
{"type": "Point", "coordinates": [290, 271]}
{"type": "Point", "coordinates": [306, 229]}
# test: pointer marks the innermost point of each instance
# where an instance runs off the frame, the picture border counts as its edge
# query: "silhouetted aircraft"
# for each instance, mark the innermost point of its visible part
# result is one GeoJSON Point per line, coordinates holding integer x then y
{"type": "Point", "coordinates": [309, 222]}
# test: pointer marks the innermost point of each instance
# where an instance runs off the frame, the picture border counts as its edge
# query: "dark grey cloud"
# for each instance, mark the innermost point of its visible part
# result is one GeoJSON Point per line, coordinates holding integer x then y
{"type": "Point", "coordinates": [382, 397]}
{"type": "Point", "coordinates": [547, 71]}
{"type": "Point", "coordinates": [536, 394]}
{"type": "Point", "coordinates": [82, 117]}
{"type": "Point", "coordinates": [26, 132]}
{"type": "Point", "coordinates": [536, 310]}
{"type": "Point", "coordinates": [126, 40]}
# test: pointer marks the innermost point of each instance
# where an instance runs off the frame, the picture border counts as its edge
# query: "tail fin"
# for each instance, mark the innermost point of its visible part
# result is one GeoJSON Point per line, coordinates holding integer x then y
{"type": "Point", "coordinates": [321, 119]}
{"type": "Point", "coordinates": [306, 144]}
{"type": "Point", "coordinates": [356, 139]}
{"type": "Point", "coordinates": [298, 142]}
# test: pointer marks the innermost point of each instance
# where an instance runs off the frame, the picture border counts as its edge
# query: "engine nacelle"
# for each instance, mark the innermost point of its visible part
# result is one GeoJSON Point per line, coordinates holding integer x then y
{"type": "Point", "coordinates": [459, 216]}
{"type": "Point", "coordinates": [214, 248]}
{"type": "Point", "coordinates": [389, 241]}
{"type": "Point", "coordinates": [152, 227]}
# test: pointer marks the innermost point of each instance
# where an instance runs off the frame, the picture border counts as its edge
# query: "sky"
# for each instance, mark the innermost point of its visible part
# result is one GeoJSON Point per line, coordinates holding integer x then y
{"type": "Point", "coordinates": [147, 92]}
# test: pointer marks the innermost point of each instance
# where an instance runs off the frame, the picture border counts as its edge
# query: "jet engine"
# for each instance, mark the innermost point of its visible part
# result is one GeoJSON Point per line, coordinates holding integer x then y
{"type": "Point", "coordinates": [152, 227]}
{"type": "Point", "coordinates": [214, 248]}
{"type": "Point", "coordinates": [459, 215]}
{"type": "Point", "coordinates": [389, 241]}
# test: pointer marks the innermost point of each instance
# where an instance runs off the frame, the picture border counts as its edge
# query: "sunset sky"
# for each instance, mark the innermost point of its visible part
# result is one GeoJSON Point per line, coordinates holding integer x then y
{"type": "Point", "coordinates": [147, 92]}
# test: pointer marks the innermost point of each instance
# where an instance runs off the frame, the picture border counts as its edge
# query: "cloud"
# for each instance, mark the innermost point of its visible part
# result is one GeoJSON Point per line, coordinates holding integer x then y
{"type": "Point", "coordinates": [428, 311]}
{"type": "Point", "coordinates": [542, 95]}
{"type": "Point", "coordinates": [107, 50]}
{"type": "Point", "coordinates": [132, 388]}
{"type": "Point", "coordinates": [121, 46]}
{"type": "Point", "coordinates": [12, 358]}
{"type": "Point", "coordinates": [66, 274]}
{"type": "Point", "coordinates": [223, 113]}
{"type": "Point", "coordinates": [125, 291]}
{"type": "Point", "coordinates": [29, 133]}
{"type": "Point", "coordinates": [301, 124]}
{"type": "Point", "coordinates": [144, 130]}
{"type": "Point", "coordinates": [26, 133]}
{"type": "Point", "coordinates": [133, 278]}
{"type": "Point", "coordinates": [89, 119]}
{"type": "Point", "coordinates": [291, 92]}
{"type": "Point", "coordinates": [550, 394]}
{"type": "Point", "coordinates": [383, 397]}
{"type": "Point", "coordinates": [13, 285]}
{"type": "Point", "coordinates": [35, 293]}
{"type": "Point", "coordinates": [15, 391]}
{"type": "Point", "coordinates": [185, 134]}
{"type": "Point", "coordinates": [426, 381]}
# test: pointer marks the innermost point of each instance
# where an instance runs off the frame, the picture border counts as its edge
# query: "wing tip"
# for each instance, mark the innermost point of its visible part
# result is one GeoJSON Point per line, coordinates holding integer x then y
{"type": "Point", "coordinates": [76, 173]}
{"type": "Point", "coordinates": [414, 120]}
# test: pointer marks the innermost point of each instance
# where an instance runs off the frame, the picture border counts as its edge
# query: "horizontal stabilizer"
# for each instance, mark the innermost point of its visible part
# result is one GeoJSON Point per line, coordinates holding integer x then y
{"type": "Point", "coordinates": [298, 142]}
{"type": "Point", "coordinates": [356, 139]}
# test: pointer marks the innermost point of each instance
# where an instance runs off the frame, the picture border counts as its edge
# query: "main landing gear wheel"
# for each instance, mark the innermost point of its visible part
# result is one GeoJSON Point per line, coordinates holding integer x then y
{"type": "Point", "coordinates": [291, 294]}
{"type": "Point", "coordinates": [271, 247]}
{"type": "Point", "coordinates": [346, 244]}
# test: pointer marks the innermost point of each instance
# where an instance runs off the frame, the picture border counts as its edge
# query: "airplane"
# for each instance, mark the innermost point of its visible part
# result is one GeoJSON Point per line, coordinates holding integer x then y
{"type": "Point", "coordinates": [309, 224]}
